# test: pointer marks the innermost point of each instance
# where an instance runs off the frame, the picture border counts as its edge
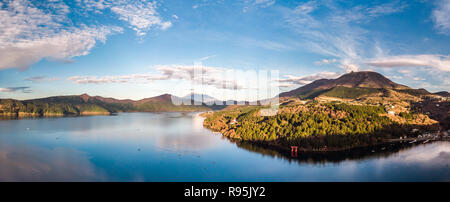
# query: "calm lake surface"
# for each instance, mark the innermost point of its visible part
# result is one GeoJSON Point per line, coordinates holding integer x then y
{"type": "Point", "coordinates": [175, 147]}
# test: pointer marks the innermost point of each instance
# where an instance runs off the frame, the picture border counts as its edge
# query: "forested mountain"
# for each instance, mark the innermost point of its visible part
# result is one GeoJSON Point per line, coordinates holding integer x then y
{"type": "Point", "coordinates": [352, 85]}
{"type": "Point", "coordinates": [90, 105]}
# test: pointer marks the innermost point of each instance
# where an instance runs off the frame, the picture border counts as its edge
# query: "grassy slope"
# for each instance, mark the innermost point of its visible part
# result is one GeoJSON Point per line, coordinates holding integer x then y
{"type": "Point", "coordinates": [351, 93]}
{"type": "Point", "coordinates": [339, 92]}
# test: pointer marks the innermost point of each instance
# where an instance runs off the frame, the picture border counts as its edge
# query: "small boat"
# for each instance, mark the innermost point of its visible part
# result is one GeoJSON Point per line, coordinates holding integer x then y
{"type": "Point", "coordinates": [413, 141]}
{"type": "Point", "coordinates": [426, 141]}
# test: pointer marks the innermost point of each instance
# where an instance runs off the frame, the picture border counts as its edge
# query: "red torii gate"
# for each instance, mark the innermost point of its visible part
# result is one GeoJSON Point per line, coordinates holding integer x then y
{"type": "Point", "coordinates": [294, 151]}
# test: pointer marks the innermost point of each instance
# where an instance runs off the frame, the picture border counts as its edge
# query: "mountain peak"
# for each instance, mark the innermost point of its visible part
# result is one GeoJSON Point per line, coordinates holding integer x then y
{"type": "Point", "coordinates": [160, 98]}
{"type": "Point", "coordinates": [85, 97]}
{"type": "Point", "coordinates": [362, 79]}
{"type": "Point", "coordinates": [366, 79]}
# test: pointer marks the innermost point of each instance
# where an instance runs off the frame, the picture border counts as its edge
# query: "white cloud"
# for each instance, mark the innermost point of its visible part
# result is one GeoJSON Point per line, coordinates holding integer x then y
{"type": "Point", "coordinates": [130, 78]}
{"type": "Point", "coordinates": [31, 31]}
{"type": "Point", "coordinates": [325, 61]}
{"type": "Point", "coordinates": [441, 16]}
{"type": "Point", "coordinates": [438, 62]}
{"type": "Point", "coordinates": [39, 79]}
{"type": "Point", "coordinates": [306, 8]}
{"type": "Point", "coordinates": [211, 76]}
{"type": "Point", "coordinates": [264, 3]}
{"type": "Point", "coordinates": [404, 71]}
{"type": "Point", "coordinates": [29, 34]}
{"type": "Point", "coordinates": [15, 89]}
{"type": "Point", "coordinates": [395, 77]}
{"type": "Point", "coordinates": [387, 8]}
{"type": "Point", "coordinates": [140, 15]}
{"type": "Point", "coordinates": [349, 67]}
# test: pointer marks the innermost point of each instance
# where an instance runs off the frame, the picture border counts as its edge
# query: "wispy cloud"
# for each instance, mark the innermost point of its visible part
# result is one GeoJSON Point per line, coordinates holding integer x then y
{"type": "Point", "coordinates": [386, 8]}
{"type": "Point", "coordinates": [418, 79]}
{"type": "Point", "coordinates": [395, 77]}
{"type": "Point", "coordinates": [39, 79]}
{"type": "Point", "coordinates": [130, 78]}
{"type": "Point", "coordinates": [211, 76]}
{"type": "Point", "coordinates": [207, 57]}
{"type": "Point", "coordinates": [140, 15]}
{"type": "Point", "coordinates": [338, 32]}
{"type": "Point", "coordinates": [249, 4]}
{"type": "Point", "coordinates": [438, 62]}
{"type": "Point", "coordinates": [15, 89]}
{"type": "Point", "coordinates": [266, 44]}
{"type": "Point", "coordinates": [441, 16]}
{"type": "Point", "coordinates": [264, 2]}
{"type": "Point", "coordinates": [325, 61]}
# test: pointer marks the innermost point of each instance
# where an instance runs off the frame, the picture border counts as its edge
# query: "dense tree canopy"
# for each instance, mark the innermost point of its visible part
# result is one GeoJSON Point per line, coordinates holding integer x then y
{"type": "Point", "coordinates": [315, 126]}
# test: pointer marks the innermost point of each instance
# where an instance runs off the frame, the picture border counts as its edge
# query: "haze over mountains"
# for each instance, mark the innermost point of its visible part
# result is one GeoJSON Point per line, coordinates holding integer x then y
{"type": "Point", "coordinates": [349, 86]}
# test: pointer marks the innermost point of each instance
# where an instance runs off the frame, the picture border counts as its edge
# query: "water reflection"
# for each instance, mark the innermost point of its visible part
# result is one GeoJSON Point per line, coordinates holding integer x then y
{"type": "Point", "coordinates": [36, 164]}
{"type": "Point", "coordinates": [197, 138]}
{"type": "Point", "coordinates": [380, 151]}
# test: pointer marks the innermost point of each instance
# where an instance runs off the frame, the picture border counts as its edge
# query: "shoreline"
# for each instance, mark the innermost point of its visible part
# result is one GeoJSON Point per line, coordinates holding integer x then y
{"type": "Point", "coordinates": [385, 148]}
{"type": "Point", "coordinates": [384, 143]}
{"type": "Point", "coordinates": [15, 116]}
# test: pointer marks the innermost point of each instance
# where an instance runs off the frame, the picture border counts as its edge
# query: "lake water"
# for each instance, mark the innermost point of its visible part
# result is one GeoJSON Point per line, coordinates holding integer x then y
{"type": "Point", "coordinates": [175, 147]}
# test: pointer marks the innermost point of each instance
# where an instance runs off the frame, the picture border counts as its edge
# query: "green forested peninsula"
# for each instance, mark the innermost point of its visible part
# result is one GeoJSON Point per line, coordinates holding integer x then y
{"type": "Point", "coordinates": [313, 126]}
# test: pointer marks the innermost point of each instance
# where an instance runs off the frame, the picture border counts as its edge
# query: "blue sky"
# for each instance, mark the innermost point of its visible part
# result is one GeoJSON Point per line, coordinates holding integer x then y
{"type": "Point", "coordinates": [139, 49]}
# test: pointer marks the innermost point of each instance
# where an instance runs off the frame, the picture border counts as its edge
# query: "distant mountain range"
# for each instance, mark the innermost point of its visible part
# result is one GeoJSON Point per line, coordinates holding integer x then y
{"type": "Point", "coordinates": [200, 98]}
{"type": "Point", "coordinates": [349, 86]}
{"type": "Point", "coordinates": [91, 105]}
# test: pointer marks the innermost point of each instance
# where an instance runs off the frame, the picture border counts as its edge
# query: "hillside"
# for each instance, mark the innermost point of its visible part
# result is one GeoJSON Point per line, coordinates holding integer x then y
{"type": "Point", "coordinates": [90, 105]}
{"type": "Point", "coordinates": [443, 93]}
